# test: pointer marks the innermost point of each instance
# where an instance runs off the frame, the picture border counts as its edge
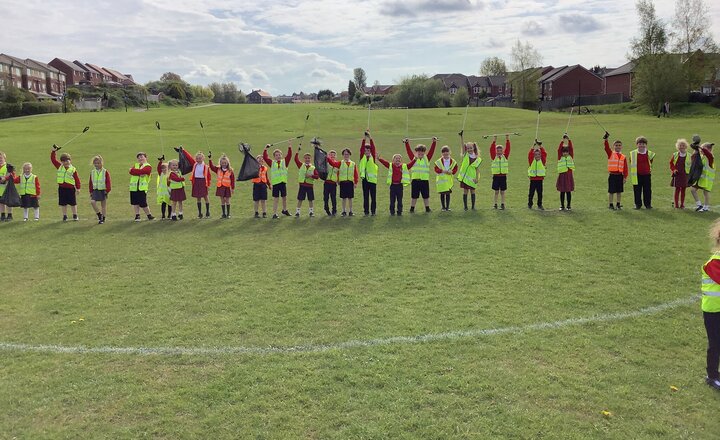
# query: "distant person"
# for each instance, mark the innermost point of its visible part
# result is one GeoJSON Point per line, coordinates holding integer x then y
{"type": "Point", "coordinates": [28, 186]}
{"type": "Point", "coordinates": [348, 179]}
{"type": "Point", "coordinates": [200, 180]}
{"type": "Point", "coordinates": [617, 172]}
{"type": "Point", "coordinates": [664, 110]}
{"type": "Point", "coordinates": [307, 174]}
{"type": "Point", "coordinates": [500, 167]}
{"type": "Point", "coordinates": [420, 177]}
{"type": "Point", "coordinates": [330, 187]}
{"type": "Point", "coordinates": [68, 183]}
{"type": "Point", "coordinates": [565, 180]}
{"type": "Point", "coordinates": [139, 186]}
{"type": "Point", "coordinates": [260, 187]}
{"type": "Point", "coordinates": [537, 160]}
{"type": "Point", "coordinates": [445, 169]}
{"type": "Point", "coordinates": [162, 189]}
{"type": "Point", "coordinates": [176, 184]}
{"type": "Point", "coordinates": [706, 179]}
{"type": "Point", "coordinates": [680, 169]}
{"type": "Point", "coordinates": [641, 160]}
{"type": "Point", "coordinates": [3, 184]}
{"type": "Point", "coordinates": [710, 306]}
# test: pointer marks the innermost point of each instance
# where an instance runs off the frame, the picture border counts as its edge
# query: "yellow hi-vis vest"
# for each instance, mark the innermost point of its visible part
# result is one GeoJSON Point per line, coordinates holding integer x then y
{"type": "Point", "coordinates": [27, 185]}
{"type": "Point", "coordinates": [468, 171]}
{"type": "Point", "coordinates": [421, 169]}
{"type": "Point", "coordinates": [444, 182]}
{"type": "Point", "coordinates": [332, 173]}
{"type": "Point", "coordinates": [499, 165]}
{"type": "Point", "coordinates": [65, 175]}
{"type": "Point", "coordinates": [537, 169]}
{"type": "Point", "coordinates": [177, 185]}
{"type": "Point", "coordinates": [278, 172]}
{"type": "Point", "coordinates": [565, 163]}
{"type": "Point", "coordinates": [405, 179]}
{"type": "Point", "coordinates": [688, 162]}
{"type": "Point", "coordinates": [707, 178]}
{"type": "Point", "coordinates": [162, 189]}
{"type": "Point", "coordinates": [368, 169]}
{"type": "Point", "coordinates": [98, 179]}
{"type": "Point", "coordinates": [634, 164]}
{"type": "Point", "coordinates": [302, 178]}
{"type": "Point", "coordinates": [140, 183]}
{"type": "Point", "coordinates": [710, 290]}
{"type": "Point", "coordinates": [3, 172]}
{"type": "Point", "coordinates": [347, 171]}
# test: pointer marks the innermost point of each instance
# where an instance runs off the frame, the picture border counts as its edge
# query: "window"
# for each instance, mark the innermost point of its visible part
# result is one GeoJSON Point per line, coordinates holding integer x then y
{"type": "Point", "coordinates": [16, 71]}
{"type": "Point", "coordinates": [453, 90]}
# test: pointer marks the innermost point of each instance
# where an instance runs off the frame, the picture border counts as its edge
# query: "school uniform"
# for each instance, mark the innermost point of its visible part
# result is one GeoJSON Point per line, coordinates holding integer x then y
{"type": "Point", "coordinates": [68, 182]}
{"type": "Point", "coordinates": [499, 166]}
{"type": "Point", "coordinates": [536, 173]}
{"type": "Point", "coordinates": [347, 177]}
{"type": "Point", "coordinates": [99, 184]}
{"type": "Point", "coordinates": [710, 306]}
{"type": "Point", "coordinates": [398, 178]}
{"type": "Point", "coordinates": [330, 190]}
{"type": "Point", "coordinates": [444, 182]}
{"type": "Point", "coordinates": [139, 184]}
{"type": "Point", "coordinates": [28, 187]}
{"type": "Point", "coordinates": [306, 188]}
{"type": "Point", "coordinates": [278, 173]}
{"type": "Point", "coordinates": [199, 177]}
{"type": "Point", "coordinates": [420, 177]}
{"type": "Point", "coordinates": [260, 185]}
{"type": "Point", "coordinates": [680, 170]}
{"type": "Point", "coordinates": [368, 177]}
{"type": "Point", "coordinates": [225, 180]}
{"type": "Point", "coordinates": [640, 175]}
{"type": "Point", "coordinates": [617, 170]}
{"type": "Point", "coordinates": [176, 183]}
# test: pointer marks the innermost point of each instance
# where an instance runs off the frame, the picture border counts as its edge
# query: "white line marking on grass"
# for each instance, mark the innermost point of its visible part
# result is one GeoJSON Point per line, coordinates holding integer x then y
{"type": "Point", "coordinates": [431, 337]}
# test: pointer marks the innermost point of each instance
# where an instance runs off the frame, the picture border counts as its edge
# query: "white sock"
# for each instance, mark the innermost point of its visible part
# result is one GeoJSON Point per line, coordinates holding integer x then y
{"type": "Point", "coordinates": [25, 213]}
{"type": "Point", "coordinates": [37, 213]}
{"type": "Point", "coordinates": [297, 210]}
{"type": "Point", "coordinates": [311, 210]}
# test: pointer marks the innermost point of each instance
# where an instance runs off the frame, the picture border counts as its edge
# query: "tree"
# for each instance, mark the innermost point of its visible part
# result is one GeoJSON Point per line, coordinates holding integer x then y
{"type": "Point", "coordinates": [656, 79]}
{"type": "Point", "coordinates": [653, 34]}
{"type": "Point", "coordinates": [526, 60]}
{"type": "Point", "coordinates": [176, 90]}
{"type": "Point", "coordinates": [691, 27]}
{"type": "Point", "coordinates": [325, 95]}
{"type": "Point", "coordinates": [73, 94]}
{"type": "Point", "coordinates": [461, 97]}
{"type": "Point", "coordinates": [360, 78]}
{"type": "Point", "coordinates": [419, 91]}
{"type": "Point", "coordinates": [351, 90]}
{"type": "Point", "coordinates": [493, 66]}
{"type": "Point", "coordinates": [169, 77]}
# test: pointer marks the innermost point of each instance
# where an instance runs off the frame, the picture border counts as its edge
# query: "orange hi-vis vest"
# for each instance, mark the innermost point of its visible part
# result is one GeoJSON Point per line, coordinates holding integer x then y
{"type": "Point", "coordinates": [616, 163]}
{"type": "Point", "coordinates": [206, 174]}
{"type": "Point", "coordinates": [262, 177]}
{"type": "Point", "coordinates": [224, 178]}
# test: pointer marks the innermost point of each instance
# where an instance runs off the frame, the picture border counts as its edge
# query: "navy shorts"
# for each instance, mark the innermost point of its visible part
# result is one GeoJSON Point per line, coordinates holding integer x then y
{"type": "Point", "coordinates": [306, 192]}
{"type": "Point", "coordinates": [279, 190]}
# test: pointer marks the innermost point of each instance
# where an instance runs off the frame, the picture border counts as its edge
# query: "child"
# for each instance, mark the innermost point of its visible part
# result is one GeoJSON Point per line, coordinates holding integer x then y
{"type": "Point", "coordinates": [3, 184]}
{"type": "Point", "coordinates": [260, 187]}
{"type": "Point", "coordinates": [176, 183]}
{"type": "Point", "coordinates": [200, 180]}
{"type": "Point", "coordinates": [566, 164]}
{"type": "Point", "coordinates": [680, 168]}
{"type": "Point", "coordinates": [99, 186]}
{"type": "Point", "coordinates": [710, 305]}
{"type": "Point", "coordinates": [306, 180]}
{"type": "Point", "coordinates": [162, 189]}
{"type": "Point", "coordinates": [537, 159]}
{"type": "Point", "coordinates": [618, 171]}
{"type": "Point", "coordinates": [68, 182]}
{"type": "Point", "coordinates": [468, 173]}
{"type": "Point", "coordinates": [499, 167]}
{"type": "Point", "coordinates": [225, 183]}
{"type": "Point", "coordinates": [641, 160]}
{"type": "Point", "coordinates": [368, 175]}
{"type": "Point", "coordinates": [330, 186]}
{"type": "Point", "coordinates": [29, 191]}
{"type": "Point", "coordinates": [278, 177]}
{"type": "Point", "coordinates": [398, 178]}
{"type": "Point", "coordinates": [420, 173]}
{"type": "Point", "coordinates": [139, 186]}
{"type": "Point", "coordinates": [706, 179]}
{"type": "Point", "coordinates": [348, 178]}
{"type": "Point", "coordinates": [445, 169]}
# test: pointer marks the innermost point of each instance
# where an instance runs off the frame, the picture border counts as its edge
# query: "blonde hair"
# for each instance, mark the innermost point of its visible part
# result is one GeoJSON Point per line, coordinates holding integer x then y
{"type": "Point", "coordinates": [27, 164]}
{"type": "Point", "coordinates": [2, 154]}
{"type": "Point", "coordinates": [98, 157]}
{"type": "Point", "coordinates": [65, 156]}
{"type": "Point", "coordinates": [473, 145]}
{"type": "Point", "coordinates": [164, 165]}
{"type": "Point", "coordinates": [642, 139]}
{"type": "Point", "coordinates": [681, 142]}
{"type": "Point", "coordinates": [173, 162]}
{"type": "Point", "coordinates": [396, 155]}
{"type": "Point", "coordinates": [201, 154]}
{"type": "Point", "coordinates": [277, 150]}
{"type": "Point", "coordinates": [715, 234]}
{"type": "Point", "coordinates": [224, 156]}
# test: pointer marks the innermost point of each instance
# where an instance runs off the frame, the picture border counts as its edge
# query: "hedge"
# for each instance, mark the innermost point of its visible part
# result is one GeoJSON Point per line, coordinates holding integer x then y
{"type": "Point", "coordinates": [13, 110]}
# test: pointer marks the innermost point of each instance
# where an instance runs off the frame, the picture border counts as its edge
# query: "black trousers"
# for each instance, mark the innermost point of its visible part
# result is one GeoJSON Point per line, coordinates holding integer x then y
{"type": "Point", "coordinates": [369, 196]}
{"type": "Point", "coordinates": [535, 186]}
{"type": "Point", "coordinates": [712, 327]}
{"type": "Point", "coordinates": [643, 191]}
{"type": "Point", "coordinates": [396, 196]}
{"type": "Point", "coordinates": [330, 194]}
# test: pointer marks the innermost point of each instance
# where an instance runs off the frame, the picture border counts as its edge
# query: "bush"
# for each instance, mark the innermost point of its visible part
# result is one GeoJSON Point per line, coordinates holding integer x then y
{"type": "Point", "coordinates": [716, 101]}
{"type": "Point", "coordinates": [36, 108]}
{"type": "Point", "coordinates": [10, 109]}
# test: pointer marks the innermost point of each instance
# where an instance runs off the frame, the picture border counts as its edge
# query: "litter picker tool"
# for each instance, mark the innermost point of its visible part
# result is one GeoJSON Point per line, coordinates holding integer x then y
{"type": "Point", "coordinates": [485, 136]}
{"type": "Point", "coordinates": [303, 132]}
{"type": "Point", "coordinates": [204, 135]}
{"type": "Point", "coordinates": [537, 125]}
{"type": "Point", "coordinates": [572, 110]}
{"type": "Point", "coordinates": [284, 141]}
{"type": "Point", "coordinates": [162, 141]}
{"type": "Point", "coordinates": [588, 111]}
{"type": "Point", "coordinates": [369, 105]}
{"type": "Point", "coordinates": [462, 130]}
{"type": "Point", "coordinates": [85, 130]}
{"type": "Point", "coordinates": [423, 139]}
{"type": "Point", "coordinates": [407, 123]}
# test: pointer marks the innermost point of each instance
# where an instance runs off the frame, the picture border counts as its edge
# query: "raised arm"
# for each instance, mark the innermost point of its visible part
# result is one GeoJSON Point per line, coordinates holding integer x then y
{"type": "Point", "coordinates": [432, 149]}
{"type": "Point", "coordinates": [408, 150]}
{"type": "Point", "coordinates": [266, 158]}
{"type": "Point", "coordinates": [493, 146]}
{"type": "Point", "coordinates": [608, 151]}
{"type": "Point", "coordinates": [543, 155]}
{"type": "Point", "coordinates": [188, 156]}
{"type": "Point", "coordinates": [53, 159]}
{"type": "Point", "coordinates": [288, 156]}
{"type": "Point", "coordinates": [212, 166]}
{"type": "Point", "coordinates": [297, 160]}
{"type": "Point", "coordinates": [384, 162]}
{"type": "Point", "coordinates": [506, 152]}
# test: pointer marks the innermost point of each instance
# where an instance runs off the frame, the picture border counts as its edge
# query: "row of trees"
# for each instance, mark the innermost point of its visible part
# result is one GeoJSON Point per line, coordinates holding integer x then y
{"type": "Point", "coordinates": [178, 90]}
{"type": "Point", "coordinates": [227, 93]}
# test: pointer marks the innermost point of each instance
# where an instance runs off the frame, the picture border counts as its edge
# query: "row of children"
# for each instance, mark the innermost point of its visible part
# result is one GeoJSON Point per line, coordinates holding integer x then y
{"type": "Point", "coordinates": [345, 174]}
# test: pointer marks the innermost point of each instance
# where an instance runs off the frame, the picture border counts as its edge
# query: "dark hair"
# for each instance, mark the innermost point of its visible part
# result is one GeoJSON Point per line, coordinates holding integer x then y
{"type": "Point", "coordinates": [420, 148]}
{"type": "Point", "coordinates": [565, 150]}
{"type": "Point", "coordinates": [140, 154]}
{"type": "Point", "coordinates": [445, 149]}
{"type": "Point", "coordinates": [346, 149]}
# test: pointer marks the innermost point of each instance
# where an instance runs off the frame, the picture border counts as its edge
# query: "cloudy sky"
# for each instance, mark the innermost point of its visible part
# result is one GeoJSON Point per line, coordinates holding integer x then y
{"type": "Point", "coordinates": [291, 45]}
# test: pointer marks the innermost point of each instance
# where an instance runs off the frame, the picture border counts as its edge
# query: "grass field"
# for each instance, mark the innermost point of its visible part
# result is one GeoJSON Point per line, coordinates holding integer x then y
{"type": "Point", "coordinates": [284, 329]}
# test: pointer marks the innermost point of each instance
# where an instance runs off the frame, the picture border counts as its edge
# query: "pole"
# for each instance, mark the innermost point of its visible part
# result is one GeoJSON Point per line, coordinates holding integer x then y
{"type": "Point", "coordinates": [572, 109]}
{"type": "Point", "coordinates": [537, 125]}
{"type": "Point", "coordinates": [207, 145]}
{"type": "Point", "coordinates": [162, 141]}
{"type": "Point", "coordinates": [85, 130]}
{"type": "Point", "coordinates": [368, 123]}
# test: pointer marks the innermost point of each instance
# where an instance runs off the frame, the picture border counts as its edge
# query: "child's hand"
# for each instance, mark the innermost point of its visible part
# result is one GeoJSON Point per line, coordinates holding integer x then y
{"type": "Point", "coordinates": [606, 135]}
{"type": "Point", "coordinates": [475, 181]}
{"type": "Point", "coordinates": [565, 136]}
{"type": "Point", "coordinates": [267, 146]}
{"type": "Point", "coordinates": [434, 139]}
{"type": "Point", "coordinates": [55, 147]}
{"type": "Point", "coordinates": [161, 158]}
{"type": "Point", "coordinates": [460, 133]}
{"type": "Point", "coordinates": [209, 154]}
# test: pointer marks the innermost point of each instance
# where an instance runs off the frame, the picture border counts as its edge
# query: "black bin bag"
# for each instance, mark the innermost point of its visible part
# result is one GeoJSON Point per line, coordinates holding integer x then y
{"type": "Point", "coordinates": [321, 162]}
{"type": "Point", "coordinates": [250, 168]}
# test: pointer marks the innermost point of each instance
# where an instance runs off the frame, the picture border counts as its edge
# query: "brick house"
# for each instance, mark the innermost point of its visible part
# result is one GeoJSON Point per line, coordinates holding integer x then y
{"type": "Point", "coordinates": [380, 90]}
{"type": "Point", "coordinates": [33, 76]}
{"type": "Point", "coordinates": [476, 86]}
{"type": "Point", "coordinates": [118, 77]}
{"type": "Point", "coordinates": [619, 81]}
{"type": "Point", "coordinates": [259, 97]}
{"type": "Point", "coordinates": [10, 72]}
{"type": "Point", "coordinates": [105, 76]}
{"type": "Point", "coordinates": [54, 79]}
{"type": "Point", "coordinates": [74, 75]}
{"type": "Point", "coordinates": [91, 75]}
{"type": "Point", "coordinates": [569, 81]}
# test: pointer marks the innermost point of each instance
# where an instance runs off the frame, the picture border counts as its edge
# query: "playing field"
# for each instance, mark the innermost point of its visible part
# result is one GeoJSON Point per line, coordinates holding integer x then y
{"type": "Point", "coordinates": [484, 324]}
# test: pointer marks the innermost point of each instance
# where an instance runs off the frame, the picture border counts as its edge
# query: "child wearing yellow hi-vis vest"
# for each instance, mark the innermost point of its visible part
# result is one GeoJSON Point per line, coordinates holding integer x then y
{"type": "Point", "coordinates": [307, 174]}
{"type": "Point", "coordinates": [368, 174]}
{"type": "Point", "coordinates": [566, 164]}
{"type": "Point", "coordinates": [28, 186]}
{"type": "Point", "coordinates": [537, 159]}
{"type": "Point", "coordinates": [139, 186]}
{"type": "Point", "coordinates": [278, 177]}
{"type": "Point", "coordinates": [710, 305]}
{"type": "Point", "coordinates": [420, 176]}
{"type": "Point", "coordinates": [176, 183]}
{"type": "Point", "coordinates": [706, 179]}
{"type": "Point", "coordinates": [445, 169]}
{"type": "Point", "coordinates": [641, 160]}
{"type": "Point", "coordinates": [4, 175]}
{"type": "Point", "coordinates": [68, 182]}
{"type": "Point", "coordinates": [499, 166]}
{"type": "Point", "coordinates": [162, 189]}
{"type": "Point", "coordinates": [398, 178]}
{"type": "Point", "coordinates": [468, 173]}
{"type": "Point", "coordinates": [348, 180]}
{"type": "Point", "coordinates": [99, 186]}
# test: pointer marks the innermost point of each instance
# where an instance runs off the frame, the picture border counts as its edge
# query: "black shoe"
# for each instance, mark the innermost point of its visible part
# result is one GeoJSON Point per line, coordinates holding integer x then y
{"type": "Point", "coordinates": [99, 216]}
{"type": "Point", "coordinates": [399, 213]}
{"type": "Point", "coordinates": [392, 214]}
{"type": "Point", "coordinates": [257, 215]}
{"type": "Point", "coordinates": [412, 210]}
{"type": "Point", "coordinates": [286, 213]}
{"type": "Point", "coordinates": [223, 216]}
{"type": "Point", "coordinates": [343, 214]}
{"type": "Point", "coordinates": [264, 214]}
{"type": "Point", "coordinates": [180, 216]}
{"type": "Point", "coordinates": [618, 207]}
{"type": "Point", "coordinates": [502, 207]}
{"type": "Point", "coordinates": [569, 208]}
{"type": "Point", "coordinates": [311, 214]}
{"type": "Point", "coordinates": [540, 207]}
{"type": "Point", "coordinates": [327, 211]}
{"type": "Point", "coordinates": [275, 216]}
{"type": "Point", "coordinates": [297, 214]}
{"type": "Point", "coordinates": [75, 217]}
{"type": "Point", "coordinates": [137, 218]}
{"type": "Point", "coordinates": [334, 212]}
{"type": "Point", "coordinates": [713, 383]}
{"type": "Point", "coordinates": [611, 206]}
{"type": "Point", "coordinates": [64, 218]}
{"type": "Point", "coordinates": [466, 208]}
{"type": "Point", "coordinates": [637, 207]}
{"type": "Point", "coordinates": [151, 217]}
{"type": "Point", "coordinates": [200, 216]}
{"type": "Point", "coordinates": [372, 214]}
{"type": "Point", "coordinates": [428, 209]}
{"type": "Point", "coordinates": [494, 206]}
{"type": "Point", "coordinates": [365, 214]}
{"type": "Point", "coordinates": [648, 207]}
{"type": "Point", "coordinates": [101, 221]}
{"type": "Point", "coordinates": [350, 214]}
{"type": "Point", "coordinates": [9, 218]}
{"type": "Point", "coordinates": [174, 218]}
{"type": "Point", "coordinates": [529, 205]}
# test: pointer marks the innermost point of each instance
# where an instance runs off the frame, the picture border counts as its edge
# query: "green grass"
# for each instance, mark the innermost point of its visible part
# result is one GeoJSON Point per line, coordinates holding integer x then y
{"type": "Point", "coordinates": [678, 109]}
{"type": "Point", "coordinates": [263, 283]}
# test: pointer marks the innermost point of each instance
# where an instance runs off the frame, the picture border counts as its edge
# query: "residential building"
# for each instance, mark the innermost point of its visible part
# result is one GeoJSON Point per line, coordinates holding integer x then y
{"type": "Point", "coordinates": [91, 75]}
{"type": "Point", "coordinates": [259, 97]}
{"type": "Point", "coordinates": [619, 81]}
{"type": "Point", "coordinates": [55, 79]}
{"type": "Point", "coordinates": [477, 86]}
{"type": "Point", "coordinates": [10, 72]}
{"type": "Point", "coordinates": [74, 74]}
{"type": "Point", "coordinates": [569, 81]}
{"type": "Point", "coordinates": [125, 80]}
{"type": "Point", "coordinates": [105, 76]}
{"type": "Point", "coordinates": [378, 89]}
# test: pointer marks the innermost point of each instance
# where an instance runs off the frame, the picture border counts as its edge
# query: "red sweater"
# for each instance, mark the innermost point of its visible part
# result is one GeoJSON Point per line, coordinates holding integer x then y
{"type": "Point", "coordinates": [713, 270]}
{"type": "Point", "coordinates": [176, 177]}
{"type": "Point", "coordinates": [269, 161]}
{"type": "Point", "coordinates": [307, 167]}
{"type": "Point", "coordinates": [439, 170]}
{"type": "Point", "coordinates": [107, 182]}
{"type": "Point", "coordinates": [506, 151]}
{"type": "Point", "coordinates": [336, 164]}
{"type": "Point", "coordinates": [16, 180]}
{"type": "Point", "coordinates": [543, 159]}
{"type": "Point", "coordinates": [215, 170]}
{"type": "Point", "coordinates": [411, 154]}
{"type": "Point", "coordinates": [643, 164]}
{"type": "Point", "coordinates": [397, 170]}
{"type": "Point", "coordinates": [609, 153]}
{"type": "Point", "coordinates": [57, 165]}
{"type": "Point", "coordinates": [146, 170]}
